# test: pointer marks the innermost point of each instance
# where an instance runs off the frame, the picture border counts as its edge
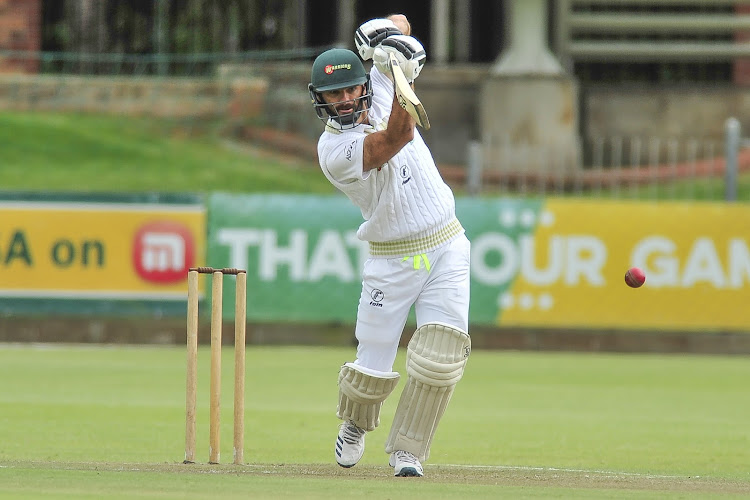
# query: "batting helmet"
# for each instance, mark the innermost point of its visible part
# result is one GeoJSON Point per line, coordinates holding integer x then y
{"type": "Point", "coordinates": [339, 69]}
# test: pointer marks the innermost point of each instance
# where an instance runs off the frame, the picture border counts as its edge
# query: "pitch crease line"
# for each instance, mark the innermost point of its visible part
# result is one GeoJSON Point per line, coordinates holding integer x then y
{"type": "Point", "coordinates": [557, 469]}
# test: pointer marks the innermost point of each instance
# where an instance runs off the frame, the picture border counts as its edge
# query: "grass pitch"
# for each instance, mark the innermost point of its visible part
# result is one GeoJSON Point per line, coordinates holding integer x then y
{"type": "Point", "coordinates": [108, 421]}
{"type": "Point", "coordinates": [92, 421]}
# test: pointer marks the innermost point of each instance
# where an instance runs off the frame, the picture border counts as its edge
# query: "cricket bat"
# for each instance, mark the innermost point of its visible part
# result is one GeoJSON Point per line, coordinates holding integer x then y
{"type": "Point", "coordinates": [406, 96]}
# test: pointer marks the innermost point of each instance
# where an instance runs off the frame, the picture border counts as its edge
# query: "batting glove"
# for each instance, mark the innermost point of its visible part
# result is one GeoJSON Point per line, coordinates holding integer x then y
{"type": "Point", "coordinates": [408, 51]}
{"type": "Point", "coordinates": [371, 34]}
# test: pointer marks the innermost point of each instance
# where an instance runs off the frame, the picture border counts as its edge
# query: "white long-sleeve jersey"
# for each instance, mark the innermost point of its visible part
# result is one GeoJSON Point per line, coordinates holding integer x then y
{"type": "Point", "coordinates": [407, 207]}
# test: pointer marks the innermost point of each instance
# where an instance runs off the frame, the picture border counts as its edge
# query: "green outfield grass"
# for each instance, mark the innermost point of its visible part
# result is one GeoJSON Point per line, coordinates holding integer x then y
{"type": "Point", "coordinates": [108, 421]}
{"type": "Point", "coordinates": [687, 189]}
{"type": "Point", "coordinates": [79, 152]}
{"type": "Point", "coordinates": [76, 152]}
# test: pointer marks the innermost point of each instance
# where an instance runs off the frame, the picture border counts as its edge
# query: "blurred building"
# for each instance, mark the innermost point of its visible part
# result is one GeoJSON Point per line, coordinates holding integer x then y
{"type": "Point", "coordinates": [20, 30]}
{"type": "Point", "coordinates": [597, 40]}
{"type": "Point", "coordinates": [653, 68]}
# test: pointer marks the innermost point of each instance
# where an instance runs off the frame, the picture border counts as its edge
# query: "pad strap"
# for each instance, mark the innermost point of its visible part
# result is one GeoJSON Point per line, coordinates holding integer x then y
{"type": "Point", "coordinates": [435, 362]}
{"type": "Point", "coordinates": [361, 394]}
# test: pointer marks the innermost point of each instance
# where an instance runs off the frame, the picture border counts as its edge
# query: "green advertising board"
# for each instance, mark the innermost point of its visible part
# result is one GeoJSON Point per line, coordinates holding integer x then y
{"type": "Point", "coordinates": [301, 253]}
{"type": "Point", "coordinates": [304, 260]}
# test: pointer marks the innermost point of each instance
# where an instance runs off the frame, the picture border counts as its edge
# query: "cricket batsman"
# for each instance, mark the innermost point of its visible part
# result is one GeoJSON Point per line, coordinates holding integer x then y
{"type": "Point", "coordinates": [419, 256]}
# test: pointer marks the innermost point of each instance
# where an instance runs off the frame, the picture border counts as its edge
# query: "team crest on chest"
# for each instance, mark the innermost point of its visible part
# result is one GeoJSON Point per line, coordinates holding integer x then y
{"type": "Point", "coordinates": [405, 174]}
{"type": "Point", "coordinates": [349, 150]}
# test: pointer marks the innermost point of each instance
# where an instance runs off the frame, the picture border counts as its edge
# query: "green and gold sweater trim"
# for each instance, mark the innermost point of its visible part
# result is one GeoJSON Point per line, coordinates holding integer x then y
{"type": "Point", "coordinates": [416, 246]}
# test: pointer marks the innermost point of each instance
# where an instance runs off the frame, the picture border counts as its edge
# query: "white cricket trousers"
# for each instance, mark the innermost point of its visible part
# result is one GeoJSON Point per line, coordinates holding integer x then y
{"type": "Point", "coordinates": [436, 283]}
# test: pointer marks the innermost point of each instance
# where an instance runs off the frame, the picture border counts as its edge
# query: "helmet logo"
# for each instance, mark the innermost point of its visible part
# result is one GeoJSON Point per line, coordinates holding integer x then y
{"type": "Point", "coordinates": [329, 69]}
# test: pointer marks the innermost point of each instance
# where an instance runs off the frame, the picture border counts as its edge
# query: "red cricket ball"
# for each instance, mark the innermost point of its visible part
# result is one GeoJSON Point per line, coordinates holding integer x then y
{"type": "Point", "coordinates": [635, 277]}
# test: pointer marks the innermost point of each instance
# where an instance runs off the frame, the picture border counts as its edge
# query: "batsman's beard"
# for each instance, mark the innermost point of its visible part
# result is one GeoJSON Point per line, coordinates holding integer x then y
{"type": "Point", "coordinates": [349, 119]}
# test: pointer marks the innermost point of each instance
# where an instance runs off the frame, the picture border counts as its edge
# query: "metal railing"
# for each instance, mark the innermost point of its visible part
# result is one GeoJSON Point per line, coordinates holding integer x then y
{"type": "Point", "coordinates": [734, 144]}
{"type": "Point", "coordinates": [173, 64]}
{"type": "Point", "coordinates": [615, 167]}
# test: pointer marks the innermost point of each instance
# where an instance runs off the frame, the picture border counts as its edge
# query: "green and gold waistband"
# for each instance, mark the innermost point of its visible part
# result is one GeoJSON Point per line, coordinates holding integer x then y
{"type": "Point", "coordinates": [417, 245]}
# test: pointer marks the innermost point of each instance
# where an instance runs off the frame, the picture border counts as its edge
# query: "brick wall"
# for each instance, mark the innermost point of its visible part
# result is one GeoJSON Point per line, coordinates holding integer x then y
{"type": "Point", "coordinates": [20, 29]}
{"type": "Point", "coordinates": [231, 98]}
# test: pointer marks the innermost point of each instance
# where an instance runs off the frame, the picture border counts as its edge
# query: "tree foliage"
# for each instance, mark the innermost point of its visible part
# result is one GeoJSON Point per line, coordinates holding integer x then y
{"type": "Point", "coordinates": [163, 26]}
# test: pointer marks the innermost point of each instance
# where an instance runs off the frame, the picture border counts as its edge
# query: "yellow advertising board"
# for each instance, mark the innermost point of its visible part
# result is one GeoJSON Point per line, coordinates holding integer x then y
{"type": "Point", "coordinates": [696, 257]}
{"type": "Point", "coordinates": [535, 262]}
{"type": "Point", "coordinates": [99, 250]}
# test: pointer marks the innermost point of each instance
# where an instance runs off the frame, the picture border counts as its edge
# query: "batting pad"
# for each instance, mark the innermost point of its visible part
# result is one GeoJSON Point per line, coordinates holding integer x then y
{"type": "Point", "coordinates": [361, 394]}
{"type": "Point", "coordinates": [435, 361]}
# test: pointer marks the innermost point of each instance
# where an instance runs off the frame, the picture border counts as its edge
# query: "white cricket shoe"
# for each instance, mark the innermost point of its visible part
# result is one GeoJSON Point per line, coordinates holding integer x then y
{"type": "Point", "coordinates": [405, 464]}
{"type": "Point", "coordinates": [350, 444]}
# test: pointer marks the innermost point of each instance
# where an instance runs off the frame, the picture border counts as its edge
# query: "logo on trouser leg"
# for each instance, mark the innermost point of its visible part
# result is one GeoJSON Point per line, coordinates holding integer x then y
{"type": "Point", "coordinates": [377, 297]}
